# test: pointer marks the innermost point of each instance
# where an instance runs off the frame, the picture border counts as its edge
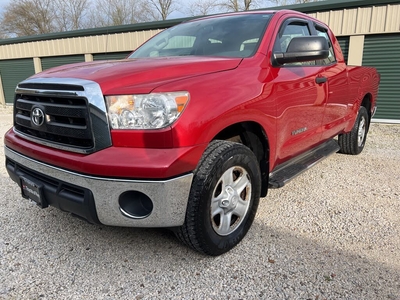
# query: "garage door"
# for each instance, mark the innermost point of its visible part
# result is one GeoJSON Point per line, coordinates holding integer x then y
{"type": "Point", "coordinates": [110, 56]}
{"type": "Point", "coordinates": [344, 44]}
{"type": "Point", "coordinates": [12, 72]}
{"type": "Point", "coordinates": [55, 61]}
{"type": "Point", "coordinates": [382, 52]}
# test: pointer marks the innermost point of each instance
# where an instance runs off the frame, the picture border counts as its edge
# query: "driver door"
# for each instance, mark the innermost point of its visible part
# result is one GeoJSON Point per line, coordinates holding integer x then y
{"type": "Point", "coordinates": [300, 100]}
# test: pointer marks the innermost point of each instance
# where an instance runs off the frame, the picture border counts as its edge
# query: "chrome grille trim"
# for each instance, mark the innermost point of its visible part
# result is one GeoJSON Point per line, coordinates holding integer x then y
{"type": "Point", "coordinates": [96, 122]}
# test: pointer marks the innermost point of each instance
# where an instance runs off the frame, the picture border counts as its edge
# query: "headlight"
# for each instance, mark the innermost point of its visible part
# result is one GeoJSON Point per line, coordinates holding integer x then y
{"type": "Point", "coordinates": [149, 111]}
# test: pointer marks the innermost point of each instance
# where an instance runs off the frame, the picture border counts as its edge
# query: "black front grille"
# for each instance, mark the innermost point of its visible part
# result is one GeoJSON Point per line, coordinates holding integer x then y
{"type": "Point", "coordinates": [66, 118]}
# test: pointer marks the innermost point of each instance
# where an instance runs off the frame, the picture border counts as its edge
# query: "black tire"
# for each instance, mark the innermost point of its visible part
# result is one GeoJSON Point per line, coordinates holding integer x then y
{"type": "Point", "coordinates": [353, 142]}
{"type": "Point", "coordinates": [227, 184]}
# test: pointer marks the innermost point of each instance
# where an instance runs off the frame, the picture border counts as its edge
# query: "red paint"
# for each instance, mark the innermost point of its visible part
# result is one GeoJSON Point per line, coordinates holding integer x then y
{"type": "Point", "coordinates": [223, 91]}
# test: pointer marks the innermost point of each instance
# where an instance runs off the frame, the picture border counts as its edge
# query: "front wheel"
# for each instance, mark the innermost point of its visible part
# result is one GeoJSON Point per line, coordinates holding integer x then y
{"type": "Point", "coordinates": [354, 141]}
{"type": "Point", "coordinates": [223, 199]}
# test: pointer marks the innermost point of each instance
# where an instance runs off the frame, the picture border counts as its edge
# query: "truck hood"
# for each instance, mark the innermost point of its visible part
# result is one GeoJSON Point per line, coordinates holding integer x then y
{"type": "Point", "coordinates": [140, 75]}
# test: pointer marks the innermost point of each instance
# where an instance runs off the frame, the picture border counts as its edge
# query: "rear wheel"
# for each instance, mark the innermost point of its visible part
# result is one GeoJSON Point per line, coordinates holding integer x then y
{"type": "Point", "coordinates": [354, 141]}
{"type": "Point", "coordinates": [223, 199]}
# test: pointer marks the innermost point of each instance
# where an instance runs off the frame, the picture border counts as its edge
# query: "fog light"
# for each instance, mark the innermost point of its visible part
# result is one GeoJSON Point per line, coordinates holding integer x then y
{"type": "Point", "coordinates": [135, 205]}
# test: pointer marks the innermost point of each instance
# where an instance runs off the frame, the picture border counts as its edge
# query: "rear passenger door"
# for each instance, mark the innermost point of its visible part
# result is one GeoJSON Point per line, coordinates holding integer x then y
{"type": "Point", "coordinates": [337, 105]}
{"type": "Point", "coordinates": [300, 100]}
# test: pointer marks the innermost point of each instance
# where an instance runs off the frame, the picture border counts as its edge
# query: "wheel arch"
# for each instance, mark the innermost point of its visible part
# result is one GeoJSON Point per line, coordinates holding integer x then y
{"type": "Point", "coordinates": [253, 136]}
{"type": "Point", "coordinates": [367, 103]}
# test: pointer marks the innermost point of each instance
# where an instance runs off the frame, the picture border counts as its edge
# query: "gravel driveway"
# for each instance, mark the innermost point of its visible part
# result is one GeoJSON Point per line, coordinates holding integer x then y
{"type": "Point", "coordinates": [332, 233]}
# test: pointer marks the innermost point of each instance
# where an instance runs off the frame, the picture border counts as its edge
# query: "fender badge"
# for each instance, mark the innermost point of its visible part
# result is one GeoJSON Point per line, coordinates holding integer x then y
{"type": "Point", "coordinates": [298, 131]}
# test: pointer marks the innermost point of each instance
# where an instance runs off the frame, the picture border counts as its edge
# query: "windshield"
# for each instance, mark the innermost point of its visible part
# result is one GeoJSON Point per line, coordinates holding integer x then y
{"type": "Point", "coordinates": [231, 36]}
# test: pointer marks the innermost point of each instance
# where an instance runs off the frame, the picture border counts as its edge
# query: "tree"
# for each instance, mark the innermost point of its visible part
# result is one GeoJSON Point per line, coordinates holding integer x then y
{"type": "Point", "coordinates": [237, 5]}
{"type": "Point", "coordinates": [31, 17]}
{"type": "Point", "coordinates": [202, 8]}
{"type": "Point", "coordinates": [28, 17]}
{"type": "Point", "coordinates": [71, 14]}
{"type": "Point", "coordinates": [163, 7]}
{"type": "Point", "coordinates": [119, 12]}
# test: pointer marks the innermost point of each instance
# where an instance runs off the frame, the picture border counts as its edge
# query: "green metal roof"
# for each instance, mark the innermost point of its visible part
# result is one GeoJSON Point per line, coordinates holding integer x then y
{"type": "Point", "coordinates": [310, 7]}
{"type": "Point", "coordinates": [321, 6]}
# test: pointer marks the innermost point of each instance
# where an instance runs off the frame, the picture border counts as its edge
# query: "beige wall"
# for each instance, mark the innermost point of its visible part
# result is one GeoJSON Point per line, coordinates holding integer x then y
{"type": "Point", "coordinates": [2, 98]}
{"type": "Point", "coordinates": [362, 20]}
{"type": "Point", "coordinates": [356, 48]}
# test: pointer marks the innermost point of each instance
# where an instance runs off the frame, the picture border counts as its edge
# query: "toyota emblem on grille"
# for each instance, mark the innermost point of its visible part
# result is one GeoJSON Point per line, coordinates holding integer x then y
{"type": "Point", "coordinates": [37, 116]}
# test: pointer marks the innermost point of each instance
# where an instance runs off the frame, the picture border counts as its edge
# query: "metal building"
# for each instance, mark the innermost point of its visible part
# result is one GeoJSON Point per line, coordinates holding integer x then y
{"type": "Point", "coordinates": [368, 31]}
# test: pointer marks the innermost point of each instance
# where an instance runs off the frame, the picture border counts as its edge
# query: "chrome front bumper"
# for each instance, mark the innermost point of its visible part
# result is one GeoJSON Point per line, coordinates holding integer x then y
{"type": "Point", "coordinates": [169, 197]}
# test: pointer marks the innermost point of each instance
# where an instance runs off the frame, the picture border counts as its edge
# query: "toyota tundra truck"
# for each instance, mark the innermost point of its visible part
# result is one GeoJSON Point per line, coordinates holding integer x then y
{"type": "Point", "coordinates": [192, 128]}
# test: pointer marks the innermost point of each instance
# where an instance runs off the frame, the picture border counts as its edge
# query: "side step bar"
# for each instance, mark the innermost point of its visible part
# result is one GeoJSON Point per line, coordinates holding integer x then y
{"type": "Point", "coordinates": [282, 174]}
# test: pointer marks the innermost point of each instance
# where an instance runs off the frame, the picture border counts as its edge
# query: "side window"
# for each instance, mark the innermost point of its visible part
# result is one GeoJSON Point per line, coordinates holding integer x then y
{"type": "Point", "coordinates": [287, 33]}
{"type": "Point", "coordinates": [331, 58]}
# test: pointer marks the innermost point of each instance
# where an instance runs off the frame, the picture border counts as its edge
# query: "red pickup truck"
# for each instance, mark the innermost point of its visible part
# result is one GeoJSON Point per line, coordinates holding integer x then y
{"type": "Point", "coordinates": [193, 127]}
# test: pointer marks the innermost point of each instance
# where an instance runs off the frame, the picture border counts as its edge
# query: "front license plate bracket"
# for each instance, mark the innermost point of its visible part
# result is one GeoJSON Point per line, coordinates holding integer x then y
{"type": "Point", "coordinates": [33, 190]}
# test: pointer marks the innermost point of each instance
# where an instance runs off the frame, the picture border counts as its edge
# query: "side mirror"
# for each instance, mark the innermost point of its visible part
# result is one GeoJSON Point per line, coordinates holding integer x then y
{"type": "Point", "coordinates": [304, 48]}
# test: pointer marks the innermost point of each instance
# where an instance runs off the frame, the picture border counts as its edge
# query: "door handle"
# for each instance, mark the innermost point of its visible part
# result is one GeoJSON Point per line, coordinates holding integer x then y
{"type": "Point", "coordinates": [321, 80]}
